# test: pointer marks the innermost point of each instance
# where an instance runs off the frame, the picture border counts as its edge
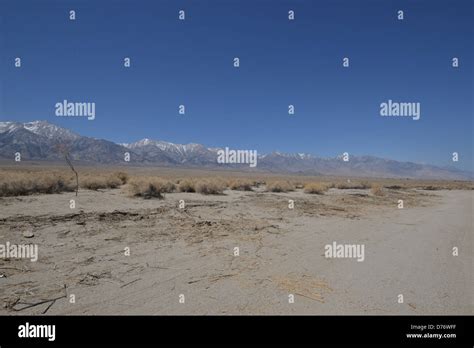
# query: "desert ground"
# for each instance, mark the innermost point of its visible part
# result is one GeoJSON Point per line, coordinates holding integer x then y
{"type": "Point", "coordinates": [190, 250]}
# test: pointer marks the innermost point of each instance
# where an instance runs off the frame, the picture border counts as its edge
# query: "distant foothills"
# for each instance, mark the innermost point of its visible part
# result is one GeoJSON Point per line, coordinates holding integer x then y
{"type": "Point", "coordinates": [39, 141]}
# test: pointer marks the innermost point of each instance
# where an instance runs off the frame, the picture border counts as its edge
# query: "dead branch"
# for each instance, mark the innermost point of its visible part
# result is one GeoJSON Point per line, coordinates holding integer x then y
{"type": "Point", "coordinates": [63, 149]}
{"type": "Point", "coordinates": [15, 268]}
{"type": "Point", "coordinates": [31, 305]}
{"type": "Point", "coordinates": [66, 156]}
{"type": "Point", "coordinates": [133, 281]}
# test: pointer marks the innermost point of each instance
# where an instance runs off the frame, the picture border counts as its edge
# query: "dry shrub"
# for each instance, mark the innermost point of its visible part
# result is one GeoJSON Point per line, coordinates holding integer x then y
{"type": "Point", "coordinates": [169, 187]}
{"type": "Point", "coordinates": [100, 181]}
{"type": "Point", "coordinates": [279, 186]}
{"type": "Point", "coordinates": [259, 182]}
{"type": "Point", "coordinates": [22, 184]}
{"type": "Point", "coordinates": [93, 182]}
{"type": "Point", "coordinates": [394, 187]}
{"type": "Point", "coordinates": [299, 185]}
{"type": "Point", "coordinates": [210, 187]}
{"type": "Point", "coordinates": [187, 186]}
{"type": "Point", "coordinates": [377, 190]}
{"type": "Point", "coordinates": [55, 184]}
{"type": "Point", "coordinates": [149, 187]}
{"type": "Point", "coordinates": [431, 188]}
{"type": "Point", "coordinates": [315, 188]}
{"type": "Point", "coordinates": [241, 185]}
{"type": "Point", "coordinates": [113, 181]}
{"type": "Point", "coordinates": [122, 176]}
{"type": "Point", "coordinates": [359, 186]}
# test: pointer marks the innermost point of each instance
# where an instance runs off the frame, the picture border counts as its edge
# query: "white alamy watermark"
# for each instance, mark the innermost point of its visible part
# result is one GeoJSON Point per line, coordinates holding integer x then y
{"type": "Point", "coordinates": [391, 108]}
{"type": "Point", "coordinates": [37, 331]}
{"type": "Point", "coordinates": [228, 156]}
{"type": "Point", "coordinates": [19, 251]}
{"type": "Point", "coordinates": [71, 109]}
{"type": "Point", "coordinates": [345, 251]}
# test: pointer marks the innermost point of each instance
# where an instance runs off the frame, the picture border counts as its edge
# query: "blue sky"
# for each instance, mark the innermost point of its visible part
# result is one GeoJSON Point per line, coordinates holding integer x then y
{"type": "Point", "coordinates": [282, 62]}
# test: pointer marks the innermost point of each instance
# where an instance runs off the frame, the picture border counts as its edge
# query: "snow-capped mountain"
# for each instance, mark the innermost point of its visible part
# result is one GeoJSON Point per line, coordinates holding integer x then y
{"type": "Point", "coordinates": [182, 150]}
{"type": "Point", "coordinates": [39, 140]}
{"type": "Point", "coordinates": [42, 128]}
{"type": "Point", "coordinates": [191, 154]}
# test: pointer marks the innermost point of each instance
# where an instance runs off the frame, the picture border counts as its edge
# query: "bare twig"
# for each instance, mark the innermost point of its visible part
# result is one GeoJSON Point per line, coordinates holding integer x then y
{"type": "Point", "coordinates": [63, 149]}
{"type": "Point", "coordinates": [66, 156]}
{"type": "Point", "coordinates": [50, 305]}
{"type": "Point", "coordinates": [30, 305]}
{"type": "Point", "coordinates": [310, 297]}
{"type": "Point", "coordinates": [15, 268]}
{"type": "Point", "coordinates": [133, 281]}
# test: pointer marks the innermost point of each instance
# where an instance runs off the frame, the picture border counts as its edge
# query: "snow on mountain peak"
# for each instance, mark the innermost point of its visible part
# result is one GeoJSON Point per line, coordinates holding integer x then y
{"type": "Point", "coordinates": [9, 126]}
{"type": "Point", "coordinates": [42, 128]}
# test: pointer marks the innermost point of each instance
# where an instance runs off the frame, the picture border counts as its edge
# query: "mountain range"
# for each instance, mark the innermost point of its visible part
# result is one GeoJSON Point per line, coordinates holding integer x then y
{"type": "Point", "coordinates": [39, 140]}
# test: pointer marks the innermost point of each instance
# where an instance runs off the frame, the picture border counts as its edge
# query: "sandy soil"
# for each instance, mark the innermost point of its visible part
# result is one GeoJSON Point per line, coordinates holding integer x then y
{"type": "Point", "coordinates": [191, 251]}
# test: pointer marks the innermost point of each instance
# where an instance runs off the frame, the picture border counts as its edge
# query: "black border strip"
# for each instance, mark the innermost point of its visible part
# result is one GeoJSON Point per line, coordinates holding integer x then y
{"type": "Point", "coordinates": [224, 330]}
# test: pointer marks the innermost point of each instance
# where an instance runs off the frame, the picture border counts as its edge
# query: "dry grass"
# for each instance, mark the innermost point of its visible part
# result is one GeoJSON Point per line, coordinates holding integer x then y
{"type": "Point", "coordinates": [33, 182]}
{"type": "Point", "coordinates": [431, 188]}
{"type": "Point", "coordinates": [32, 179]}
{"type": "Point", "coordinates": [22, 184]}
{"type": "Point", "coordinates": [113, 181]}
{"type": "Point", "coordinates": [149, 187]}
{"type": "Point", "coordinates": [97, 181]}
{"type": "Point", "coordinates": [122, 176]}
{"type": "Point", "coordinates": [187, 186]}
{"type": "Point", "coordinates": [210, 186]}
{"type": "Point", "coordinates": [349, 185]}
{"type": "Point", "coordinates": [241, 185]}
{"type": "Point", "coordinates": [299, 185]}
{"type": "Point", "coordinates": [93, 183]}
{"type": "Point", "coordinates": [100, 182]}
{"type": "Point", "coordinates": [315, 188]}
{"type": "Point", "coordinates": [169, 187]}
{"type": "Point", "coordinates": [393, 187]}
{"type": "Point", "coordinates": [377, 190]}
{"type": "Point", "coordinates": [279, 186]}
